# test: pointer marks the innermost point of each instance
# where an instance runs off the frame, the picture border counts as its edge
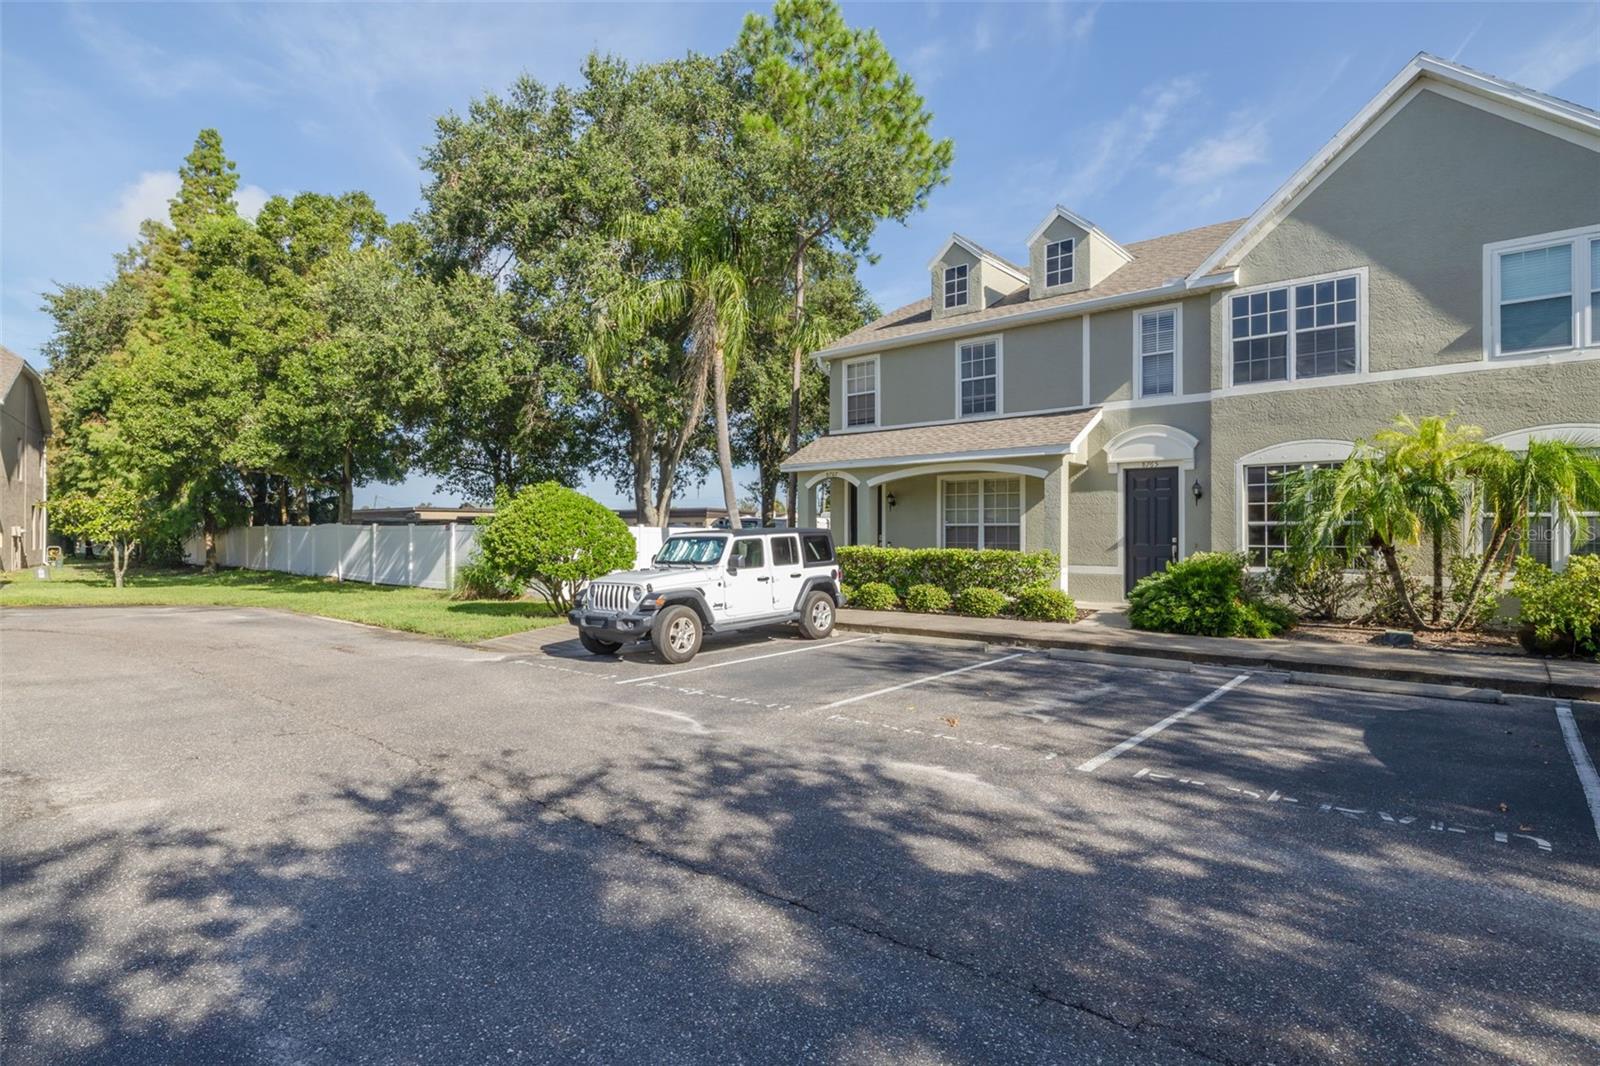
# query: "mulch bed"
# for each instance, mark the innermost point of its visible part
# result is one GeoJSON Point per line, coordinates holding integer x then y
{"type": "Point", "coordinates": [1486, 642]}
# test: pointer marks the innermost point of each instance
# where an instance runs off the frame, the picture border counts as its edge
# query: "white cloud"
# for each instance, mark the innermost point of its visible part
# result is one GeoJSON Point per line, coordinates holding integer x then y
{"type": "Point", "coordinates": [926, 64]}
{"type": "Point", "coordinates": [148, 197]}
{"type": "Point", "coordinates": [145, 198]}
{"type": "Point", "coordinates": [1123, 142]}
{"type": "Point", "coordinates": [1560, 56]}
{"type": "Point", "coordinates": [154, 70]}
{"type": "Point", "coordinates": [1243, 143]}
{"type": "Point", "coordinates": [1070, 22]}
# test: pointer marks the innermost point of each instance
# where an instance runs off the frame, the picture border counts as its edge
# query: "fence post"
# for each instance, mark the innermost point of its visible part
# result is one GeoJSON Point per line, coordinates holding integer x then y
{"type": "Point", "coordinates": [411, 566]}
{"type": "Point", "coordinates": [266, 547]}
{"type": "Point", "coordinates": [372, 545]}
{"type": "Point", "coordinates": [450, 558]}
{"type": "Point", "coordinates": [338, 554]}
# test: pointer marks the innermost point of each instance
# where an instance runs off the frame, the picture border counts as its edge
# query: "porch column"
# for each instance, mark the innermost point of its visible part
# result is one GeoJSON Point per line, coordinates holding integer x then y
{"type": "Point", "coordinates": [1056, 484]}
{"type": "Point", "coordinates": [867, 516]}
{"type": "Point", "coordinates": [805, 508]}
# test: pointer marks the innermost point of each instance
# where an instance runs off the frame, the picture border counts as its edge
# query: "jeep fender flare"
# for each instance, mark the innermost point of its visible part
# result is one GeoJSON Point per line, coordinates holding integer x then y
{"type": "Point", "coordinates": [815, 584]}
{"type": "Point", "coordinates": [695, 600]}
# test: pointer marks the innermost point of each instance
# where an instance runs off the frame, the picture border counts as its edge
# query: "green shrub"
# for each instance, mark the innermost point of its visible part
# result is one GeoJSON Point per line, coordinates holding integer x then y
{"type": "Point", "coordinates": [1204, 595]}
{"type": "Point", "coordinates": [847, 594]}
{"type": "Point", "coordinates": [1562, 611]}
{"type": "Point", "coordinates": [980, 602]}
{"type": "Point", "coordinates": [551, 536]}
{"type": "Point", "coordinates": [875, 596]}
{"type": "Point", "coordinates": [1042, 603]}
{"type": "Point", "coordinates": [479, 580]}
{"type": "Point", "coordinates": [927, 599]}
{"type": "Point", "coordinates": [952, 569]}
{"type": "Point", "coordinates": [1313, 585]}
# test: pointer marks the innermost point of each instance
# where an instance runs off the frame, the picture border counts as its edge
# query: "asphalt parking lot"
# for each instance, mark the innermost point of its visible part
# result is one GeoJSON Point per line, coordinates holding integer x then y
{"type": "Point", "coordinates": [241, 836]}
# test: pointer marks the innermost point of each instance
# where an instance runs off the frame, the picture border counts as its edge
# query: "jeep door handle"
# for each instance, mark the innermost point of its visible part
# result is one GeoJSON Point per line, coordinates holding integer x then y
{"type": "Point", "coordinates": [763, 579]}
{"type": "Point", "coordinates": [797, 575]}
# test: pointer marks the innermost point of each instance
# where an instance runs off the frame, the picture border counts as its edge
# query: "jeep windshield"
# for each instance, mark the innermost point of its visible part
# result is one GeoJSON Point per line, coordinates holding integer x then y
{"type": "Point", "coordinates": [691, 551]}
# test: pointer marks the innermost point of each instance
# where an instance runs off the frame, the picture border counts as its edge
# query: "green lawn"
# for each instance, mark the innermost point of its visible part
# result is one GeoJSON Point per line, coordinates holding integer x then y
{"type": "Point", "coordinates": [413, 610]}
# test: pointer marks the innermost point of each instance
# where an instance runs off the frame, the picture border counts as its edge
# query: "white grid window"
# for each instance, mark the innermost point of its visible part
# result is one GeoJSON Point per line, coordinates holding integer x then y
{"type": "Point", "coordinates": [955, 286]}
{"type": "Point", "coordinates": [1536, 298]}
{"type": "Point", "coordinates": [1058, 263]}
{"type": "Point", "coordinates": [1594, 291]}
{"type": "Point", "coordinates": [1324, 338]}
{"type": "Point", "coordinates": [1266, 527]}
{"type": "Point", "coordinates": [1586, 538]}
{"type": "Point", "coordinates": [1541, 537]}
{"type": "Point", "coordinates": [1158, 340]}
{"type": "Point", "coordinates": [979, 378]}
{"type": "Point", "coordinates": [983, 513]}
{"type": "Point", "coordinates": [861, 393]}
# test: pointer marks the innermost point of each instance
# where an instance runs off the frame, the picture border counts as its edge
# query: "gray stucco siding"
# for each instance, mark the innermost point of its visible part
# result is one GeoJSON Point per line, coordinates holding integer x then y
{"type": "Point", "coordinates": [1415, 205]}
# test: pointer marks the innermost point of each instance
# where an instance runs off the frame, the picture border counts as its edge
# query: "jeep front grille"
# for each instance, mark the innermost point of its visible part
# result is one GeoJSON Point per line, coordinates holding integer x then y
{"type": "Point", "coordinates": [609, 596]}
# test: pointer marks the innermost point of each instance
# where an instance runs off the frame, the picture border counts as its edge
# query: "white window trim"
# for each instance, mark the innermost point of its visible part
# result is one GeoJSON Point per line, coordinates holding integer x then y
{"type": "Point", "coordinates": [1177, 349]}
{"type": "Point", "coordinates": [980, 477]}
{"type": "Point", "coordinates": [998, 340]}
{"type": "Point", "coordinates": [1362, 318]}
{"type": "Point", "coordinates": [1289, 453]}
{"type": "Point", "coordinates": [1585, 334]}
{"type": "Point", "coordinates": [877, 393]}
{"type": "Point", "coordinates": [966, 293]}
{"type": "Point", "coordinates": [1072, 271]}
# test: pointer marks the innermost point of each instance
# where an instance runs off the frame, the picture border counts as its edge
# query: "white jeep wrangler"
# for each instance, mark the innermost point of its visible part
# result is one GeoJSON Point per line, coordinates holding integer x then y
{"type": "Point", "coordinates": [713, 582]}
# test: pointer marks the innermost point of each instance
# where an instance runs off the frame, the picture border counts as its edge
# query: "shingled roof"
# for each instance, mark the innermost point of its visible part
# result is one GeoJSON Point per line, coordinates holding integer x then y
{"type": "Point", "coordinates": [1156, 262]}
{"type": "Point", "coordinates": [1029, 434]}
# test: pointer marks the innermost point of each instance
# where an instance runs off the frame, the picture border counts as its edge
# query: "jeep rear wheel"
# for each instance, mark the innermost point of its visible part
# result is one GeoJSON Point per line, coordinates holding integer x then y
{"type": "Point", "coordinates": [596, 646]}
{"type": "Point", "coordinates": [816, 615]}
{"type": "Point", "coordinates": [676, 634]}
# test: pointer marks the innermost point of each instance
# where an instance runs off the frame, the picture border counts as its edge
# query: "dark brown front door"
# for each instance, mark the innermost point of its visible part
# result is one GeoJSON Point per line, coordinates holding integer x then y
{"type": "Point", "coordinates": [1152, 521]}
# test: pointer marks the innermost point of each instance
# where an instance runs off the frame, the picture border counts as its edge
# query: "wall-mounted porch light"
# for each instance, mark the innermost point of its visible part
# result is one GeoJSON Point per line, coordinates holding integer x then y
{"type": "Point", "coordinates": [891, 499]}
{"type": "Point", "coordinates": [1197, 490]}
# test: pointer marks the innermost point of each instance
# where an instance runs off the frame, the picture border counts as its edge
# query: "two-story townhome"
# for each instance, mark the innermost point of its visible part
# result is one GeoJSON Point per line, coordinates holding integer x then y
{"type": "Point", "coordinates": [1125, 405]}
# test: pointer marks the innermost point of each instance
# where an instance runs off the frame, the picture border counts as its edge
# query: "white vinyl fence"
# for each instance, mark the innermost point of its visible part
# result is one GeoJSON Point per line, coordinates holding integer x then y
{"type": "Point", "coordinates": [422, 556]}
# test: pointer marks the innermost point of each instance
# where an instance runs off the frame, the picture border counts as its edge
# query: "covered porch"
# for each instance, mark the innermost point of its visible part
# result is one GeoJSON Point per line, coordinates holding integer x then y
{"type": "Point", "coordinates": [995, 483]}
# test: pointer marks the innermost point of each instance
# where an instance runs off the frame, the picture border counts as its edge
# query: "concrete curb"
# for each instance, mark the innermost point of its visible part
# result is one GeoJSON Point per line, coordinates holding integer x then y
{"type": "Point", "coordinates": [1449, 680]}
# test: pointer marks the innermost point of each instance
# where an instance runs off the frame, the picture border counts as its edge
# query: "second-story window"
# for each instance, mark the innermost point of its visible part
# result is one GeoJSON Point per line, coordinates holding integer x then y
{"type": "Point", "coordinates": [1158, 348]}
{"type": "Point", "coordinates": [1058, 263]}
{"type": "Point", "coordinates": [955, 286]}
{"type": "Point", "coordinates": [1323, 341]}
{"type": "Point", "coordinates": [979, 378]}
{"type": "Point", "coordinates": [861, 393]}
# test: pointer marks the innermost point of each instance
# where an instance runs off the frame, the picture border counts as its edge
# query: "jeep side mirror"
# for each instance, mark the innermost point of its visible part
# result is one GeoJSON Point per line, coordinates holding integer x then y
{"type": "Point", "coordinates": [733, 564]}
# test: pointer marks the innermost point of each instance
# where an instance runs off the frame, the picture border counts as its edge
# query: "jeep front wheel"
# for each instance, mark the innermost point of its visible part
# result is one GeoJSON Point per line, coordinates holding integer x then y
{"type": "Point", "coordinates": [816, 616]}
{"type": "Point", "coordinates": [676, 634]}
{"type": "Point", "coordinates": [596, 646]}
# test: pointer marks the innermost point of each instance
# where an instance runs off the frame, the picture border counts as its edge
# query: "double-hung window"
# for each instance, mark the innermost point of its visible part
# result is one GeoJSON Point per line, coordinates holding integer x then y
{"type": "Point", "coordinates": [978, 377]}
{"type": "Point", "coordinates": [1543, 293]}
{"type": "Point", "coordinates": [861, 392]}
{"type": "Point", "coordinates": [1158, 352]}
{"type": "Point", "coordinates": [955, 286]}
{"type": "Point", "coordinates": [982, 513]}
{"type": "Point", "coordinates": [1058, 263]}
{"type": "Point", "coordinates": [1323, 338]}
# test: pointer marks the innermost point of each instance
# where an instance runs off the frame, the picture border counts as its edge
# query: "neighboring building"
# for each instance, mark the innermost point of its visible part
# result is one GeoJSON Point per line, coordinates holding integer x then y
{"type": "Point", "coordinates": [24, 429]}
{"type": "Point", "coordinates": [419, 515]}
{"type": "Point", "coordinates": [690, 517]}
{"type": "Point", "coordinates": [1125, 406]}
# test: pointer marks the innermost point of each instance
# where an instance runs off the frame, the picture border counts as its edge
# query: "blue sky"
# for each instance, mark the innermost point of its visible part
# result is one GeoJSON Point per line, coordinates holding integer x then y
{"type": "Point", "coordinates": [1146, 118]}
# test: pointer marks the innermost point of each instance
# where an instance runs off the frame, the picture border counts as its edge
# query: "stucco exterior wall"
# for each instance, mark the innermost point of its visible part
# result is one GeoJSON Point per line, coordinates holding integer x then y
{"type": "Point", "coordinates": [956, 255]}
{"type": "Point", "coordinates": [1415, 205]}
{"type": "Point", "coordinates": [22, 444]}
{"type": "Point", "coordinates": [1059, 230]}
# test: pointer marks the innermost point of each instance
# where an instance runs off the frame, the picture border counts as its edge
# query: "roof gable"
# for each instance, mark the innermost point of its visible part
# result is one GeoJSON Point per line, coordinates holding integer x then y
{"type": "Point", "coordinates": [980, 252]}
{"type": "Point", "coordinates": [1549, 114]}
{"type": "Point", "coordinates": [1082, 223]}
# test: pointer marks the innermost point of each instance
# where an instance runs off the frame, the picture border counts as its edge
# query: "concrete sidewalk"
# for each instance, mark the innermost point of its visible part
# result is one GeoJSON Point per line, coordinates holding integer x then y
{"type": "Point", "coordinates": [1559, 678]}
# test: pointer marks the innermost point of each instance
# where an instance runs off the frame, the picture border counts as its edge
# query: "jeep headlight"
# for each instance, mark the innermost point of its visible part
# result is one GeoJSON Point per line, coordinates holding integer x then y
{"type": "Point", "coordinates": [635, 594]}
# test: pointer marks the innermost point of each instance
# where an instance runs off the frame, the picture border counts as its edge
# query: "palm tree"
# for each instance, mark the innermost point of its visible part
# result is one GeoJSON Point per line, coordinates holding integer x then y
{"type": "Point", "coordinates": [1430, 456]}
{"type": "Point", "coordinates": [708, 287]}
{"type": "Point", "coordinates": [1560, 476]}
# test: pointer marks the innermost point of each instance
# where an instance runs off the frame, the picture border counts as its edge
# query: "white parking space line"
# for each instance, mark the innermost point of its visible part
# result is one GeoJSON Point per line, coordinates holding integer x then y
{"type": "Point", "coordinates": [747, 659]}
{"type": "Point", "coordinates": [921, 681]}
{"type": "Point", "coordinates": [1581, 762]}
{"type": "Point", "coordinates": [1145, 734]}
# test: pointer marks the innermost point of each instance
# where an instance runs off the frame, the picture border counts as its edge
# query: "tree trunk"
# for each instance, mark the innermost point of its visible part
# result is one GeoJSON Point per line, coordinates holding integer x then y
{"type": "Point", "coordinates": [1497, 542]}
{"type": "Point", "coordinates": [1436, 607]}
{"type": "Point", "coordinates": [1397, 577]}
{"type": "Point", "coordinates": [347, 486]}
{"type": "Point", "coordinates": [719, 389]}
{"type": "Point", "coordinates": [673, 454]}
{"type": "Point", "coordinates": [796, 370]}
{"type": "Point", "coordinates": [119, 562]}
{"type": "Point", "coordinates": [644, 504]}
{"type": "Point", "coordinates": [283, 501]}
{"type": "Point", "coordinates": [208, 531]}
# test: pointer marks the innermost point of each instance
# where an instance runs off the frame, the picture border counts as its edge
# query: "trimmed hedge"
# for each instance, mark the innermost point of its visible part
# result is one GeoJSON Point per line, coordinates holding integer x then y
{"type": "Point", "coordinates": [1204, 595]}
{"type": "Point", "coordinates": [927, 599]}
{"type": "Point", "coordinates": [1041, 603]}
{"type": "Point", "coordinates": [980, 602]}
{"type": "Point", "coordinates": [951, 569]}
{"type": "Point", "coordinates": [1560, 612]}
{"type": "Point", "coordinates": [875, 596]}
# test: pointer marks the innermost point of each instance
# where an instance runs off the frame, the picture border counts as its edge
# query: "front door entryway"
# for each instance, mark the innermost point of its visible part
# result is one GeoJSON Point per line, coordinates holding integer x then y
{"type": "Point", "coordinates": [1152, 521]}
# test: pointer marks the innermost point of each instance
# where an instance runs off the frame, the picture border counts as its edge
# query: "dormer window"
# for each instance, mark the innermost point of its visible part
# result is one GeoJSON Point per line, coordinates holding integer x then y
{"type": "Point", "coordinates": [955, 286]}
{"type": "Point", "coordinates": [1058, 263]}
